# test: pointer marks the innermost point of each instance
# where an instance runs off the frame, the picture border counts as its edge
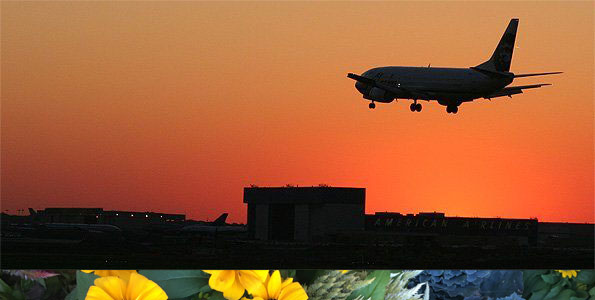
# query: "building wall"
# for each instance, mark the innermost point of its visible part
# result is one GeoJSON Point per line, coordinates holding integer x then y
{"type": "Point", "coordinates": [302, 222]}
{"type": "Point", "coordinates": [316, 211]}
{"type": "Point", "coordinates": [261, 222]}
{"type": "Point", "coordinates": [334, 218]}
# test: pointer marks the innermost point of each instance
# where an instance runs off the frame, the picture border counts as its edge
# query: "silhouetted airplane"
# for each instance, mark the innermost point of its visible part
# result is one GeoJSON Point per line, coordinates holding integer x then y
{"type": "Point", "coordinates": [218, 225]}
{"type": "Point", "coordinates": [449, 86]}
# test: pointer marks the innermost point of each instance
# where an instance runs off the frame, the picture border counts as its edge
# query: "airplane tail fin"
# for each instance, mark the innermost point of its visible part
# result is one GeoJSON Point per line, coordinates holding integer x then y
{"type": "Point", "coordinates": [502, 56]}
{"type": "Point", "coordinates": [221, 219]}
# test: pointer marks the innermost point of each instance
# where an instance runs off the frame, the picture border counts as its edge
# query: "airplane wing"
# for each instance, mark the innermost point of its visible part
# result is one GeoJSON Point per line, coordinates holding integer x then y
{"type": "Point", "coordinates": [512, 90]}
{"type": "Point", "coordinates": [396, 89]}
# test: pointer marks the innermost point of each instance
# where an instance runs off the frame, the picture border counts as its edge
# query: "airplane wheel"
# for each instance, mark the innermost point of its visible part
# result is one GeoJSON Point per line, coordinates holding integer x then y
{"type": "Point", "coordinates": [455, 109]}
{"type": "Point", "coordinates": [372, 105]}
{"type": "Point", "coordinates": [448, 109]}
{"type": "Point", "coordinates": [418, 107]}
{"type": "Point", "coordinates": [412, 107]}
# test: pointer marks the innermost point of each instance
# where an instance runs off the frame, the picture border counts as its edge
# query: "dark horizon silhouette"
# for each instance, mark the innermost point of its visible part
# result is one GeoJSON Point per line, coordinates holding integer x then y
{"type": "Point", "coordinates": [310, 227]}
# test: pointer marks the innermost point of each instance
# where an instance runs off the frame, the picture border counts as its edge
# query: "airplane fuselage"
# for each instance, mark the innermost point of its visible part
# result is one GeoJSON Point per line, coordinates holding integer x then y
{"type": "Point", "coordinates": [449, 86]}
{"type": "Point", "coordinates": [443, 84]}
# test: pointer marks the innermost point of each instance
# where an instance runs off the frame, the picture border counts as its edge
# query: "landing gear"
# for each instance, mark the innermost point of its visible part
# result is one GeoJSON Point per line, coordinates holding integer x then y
{"type": "Point", "coordinates": [415, 107]}
{"type": "Point", "coordinates": [372, 105]}
{"type": "Point", "coordinates": [452, 109]}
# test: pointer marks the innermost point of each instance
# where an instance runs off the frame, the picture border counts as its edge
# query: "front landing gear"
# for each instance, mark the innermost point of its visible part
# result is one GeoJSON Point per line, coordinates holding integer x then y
{"type": "Point", "coordinates": [452, 109]}
{"type": "Point", "coordinates": [372, 105]}
{"type": "Point", "coordinates": [415, 107]}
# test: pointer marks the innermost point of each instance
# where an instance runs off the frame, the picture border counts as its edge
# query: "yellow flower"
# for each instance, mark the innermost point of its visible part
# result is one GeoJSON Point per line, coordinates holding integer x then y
{"type": "Point", "coordinates": [273, 288]}
{"type": "Point", "coordinates": [232, 283]}
{"type": "Point", "coordinates": [114, 288]}
{"type": "Point", "coordinates": [124, 274]}
{"type": "Point", "coordinates": [568, 273]}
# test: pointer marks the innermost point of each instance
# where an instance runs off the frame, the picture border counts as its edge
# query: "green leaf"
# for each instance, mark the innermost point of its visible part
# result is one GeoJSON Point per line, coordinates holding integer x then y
{"type": "Point", "coordinates": [53, 286]}
{"type": "Point", "coordinates": [376, 289]}
{"type": "Point", "coordinates": [553, 292]}
{"type": "Point", "coordinates": [205, 289]}
{"type": "Point", "coordinates": [217, 296]}
{"type": "Point", "coordinates": [565, 294]}
{"type": "Point", "coordinates": [159, 275]}
{"type": "Point", "coordinates": [287, 273]}
{"type": "Point", "coordinates": [586, 276]}
{"type": "Point", "coordinates": [27, 284]}
{"type": "Point", "coordinates": [42, 282]}
{"type": "Point", "coordinates": [5, 288]}
{"type": "Point", "coordinates": [16, 295]}
{"type": "Point", "coordinates": [72, 296]}
{"type": "Point", "coordinates": [532, 283]}
{"type": "Point", "coordinates": [539, 295]}
{"type": "Point", "coordinates": [83, 282]}
{"type": "Point", "coordinates": [178, 283]}
{"type": "Point", "coordinates": [580, 296]}
{"type": "Point", "coordinates": [551, 278]}
{"type": "Point", "coordinates": [592, 292]}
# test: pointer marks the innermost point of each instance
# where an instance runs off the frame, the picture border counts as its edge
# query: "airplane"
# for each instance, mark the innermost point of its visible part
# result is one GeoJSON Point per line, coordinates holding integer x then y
{"type": "Point", "coordinates": [218, 225]}
{"type": "Point", "coordinates": [449, 86]}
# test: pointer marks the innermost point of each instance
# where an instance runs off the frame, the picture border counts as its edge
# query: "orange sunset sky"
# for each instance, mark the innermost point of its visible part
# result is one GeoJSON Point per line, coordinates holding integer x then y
{"type": "Point", "coordinates": [176, 106]}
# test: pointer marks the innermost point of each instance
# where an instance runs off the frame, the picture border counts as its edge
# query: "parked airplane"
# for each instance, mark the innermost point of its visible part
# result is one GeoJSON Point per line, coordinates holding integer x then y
{"type": "Point", "coordinates": [449, 86]}
{"type": "Point", "coordinates": [218, 225]}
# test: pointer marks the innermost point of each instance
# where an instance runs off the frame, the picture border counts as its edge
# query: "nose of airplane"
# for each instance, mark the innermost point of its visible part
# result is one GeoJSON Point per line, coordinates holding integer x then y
{"type": "Point", "coordinates": [361, 87]}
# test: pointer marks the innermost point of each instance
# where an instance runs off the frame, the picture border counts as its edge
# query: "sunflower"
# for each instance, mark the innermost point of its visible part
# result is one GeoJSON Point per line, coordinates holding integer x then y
{"type": "Point", "coordinates": [232, 283]}
{"type": "Point", "coordinates": [114, 288]}
{"type": "Point", "coordinates": [273, 288]}
{"type": "Point", "coordinates": [124, 274]}
{"type": "Point", "coordinates": [568, 273]}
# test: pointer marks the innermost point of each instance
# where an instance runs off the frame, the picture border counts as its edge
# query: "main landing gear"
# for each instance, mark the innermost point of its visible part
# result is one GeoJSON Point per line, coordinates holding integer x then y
{"type": "Point", "coordinates": [372, 105]}
{"type": "Point", "coordinates": [415, 107]}
{"type": "Point", "coordinates": [452, 109]}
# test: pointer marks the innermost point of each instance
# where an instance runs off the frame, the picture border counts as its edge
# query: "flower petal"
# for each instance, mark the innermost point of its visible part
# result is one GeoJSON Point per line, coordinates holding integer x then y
{"type": "Point", "coordinates": [112, 285]}
{"type": "Point", "coordinates": [287, 282]}
{"type": "Point", "coordinates": [274, 285]}
{"type": "Point", "coordinates": [141, 288]}
{"type": "Point", "coordinates": [153, 293]}
{"type": "Point", "coordinates": [262, 274]}
{"type": "Point", "coordinates": [250, 280]}
{"type": "Point", "coordinates": [260, 292]}
{"type": "Point", "coordinates": [96, 293]}
{"type": "Point", "coordinates": [235, 292]}
{"type": "Point", "coordinates": [294, 291]}
{"type": "Point", "coordinates": [222, 280]}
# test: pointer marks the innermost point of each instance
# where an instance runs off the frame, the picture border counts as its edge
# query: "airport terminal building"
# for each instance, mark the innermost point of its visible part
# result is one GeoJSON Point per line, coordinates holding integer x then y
{"type": "Point", "coordinates": [310, 214]}
{"type": "Point", "coordinates": [303, 213]}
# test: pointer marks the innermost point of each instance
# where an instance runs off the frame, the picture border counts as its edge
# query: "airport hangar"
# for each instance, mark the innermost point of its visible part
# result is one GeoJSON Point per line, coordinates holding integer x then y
{"type": "Point", "coordinates": [323, 213]}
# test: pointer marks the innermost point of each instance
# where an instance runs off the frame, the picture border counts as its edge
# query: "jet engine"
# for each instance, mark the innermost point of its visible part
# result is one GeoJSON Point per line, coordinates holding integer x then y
{"type": "Point", "coordinates": [379, 95]}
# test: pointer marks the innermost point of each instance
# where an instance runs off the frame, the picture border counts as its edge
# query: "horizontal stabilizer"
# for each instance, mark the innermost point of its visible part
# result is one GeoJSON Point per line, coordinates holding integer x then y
{"type": "Point", "coordinates": [513, 90]}
{"type": "Point", "coordinates": [535, 74]}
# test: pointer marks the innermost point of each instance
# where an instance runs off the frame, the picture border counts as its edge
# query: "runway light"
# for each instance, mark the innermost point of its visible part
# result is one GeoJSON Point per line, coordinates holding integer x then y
{"type": "Point", "coordinates": [146, 216]}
